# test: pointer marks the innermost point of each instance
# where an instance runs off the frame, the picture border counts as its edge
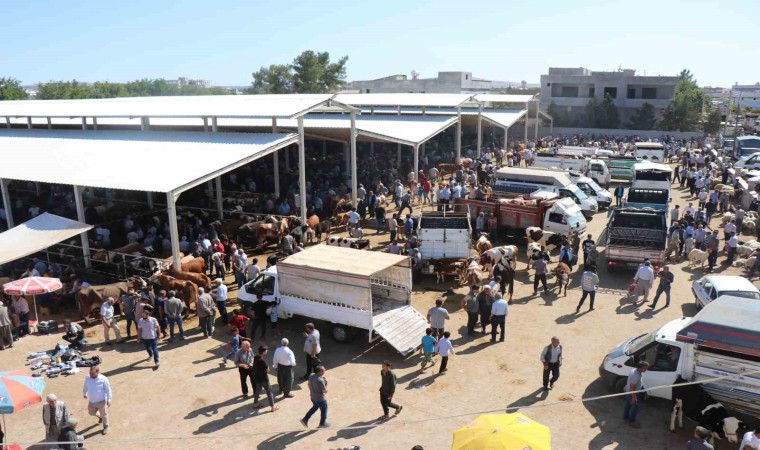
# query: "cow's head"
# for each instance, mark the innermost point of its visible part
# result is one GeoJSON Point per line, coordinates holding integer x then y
{"type": "Point", "coordinates": [534, 250]}
{"type": "Point", "coordinates": [729, 429]}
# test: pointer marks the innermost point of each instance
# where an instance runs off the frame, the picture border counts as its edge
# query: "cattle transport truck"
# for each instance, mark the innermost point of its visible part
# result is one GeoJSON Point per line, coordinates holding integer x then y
{"type": "Point", "coordinates": [634, 234]}
{"type": "Point", "coordinates": [347, 288]}
{"type": "Point", "coordinates": [721, 340]}
{"type": "Point", "coordinates": [443, 235]}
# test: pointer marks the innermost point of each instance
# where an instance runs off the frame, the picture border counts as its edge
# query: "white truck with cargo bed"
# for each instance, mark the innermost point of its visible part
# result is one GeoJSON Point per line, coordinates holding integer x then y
{"type": "Point", "coordinates": [350, 289]}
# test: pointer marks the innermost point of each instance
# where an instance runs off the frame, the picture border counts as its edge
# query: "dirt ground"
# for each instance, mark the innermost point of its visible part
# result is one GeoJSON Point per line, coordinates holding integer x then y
{"type": "Point", "coordinates": [194, 401]}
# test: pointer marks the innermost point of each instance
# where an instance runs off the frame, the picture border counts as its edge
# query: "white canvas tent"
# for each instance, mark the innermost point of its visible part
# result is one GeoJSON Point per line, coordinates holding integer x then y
{"type": "Point", "coordinates": [38, 234]}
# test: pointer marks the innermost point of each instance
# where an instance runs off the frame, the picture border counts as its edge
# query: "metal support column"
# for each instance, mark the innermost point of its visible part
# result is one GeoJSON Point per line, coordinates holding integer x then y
{"type": "Point", "coordinates": [7, 203]}
{"type": "Point", "coordinates": [506, 149]}
{"type": "Point", "coordinates": [7, 122]}
{"type": "Point", "coordinates": [458, 137]}
{"type": "Point", "coordinates": [29, 123]}
{"type": "Point", "coordinates": [94, 123]}
{"type": "Point", "coordinates": [302, 169]}
{"type": "Point", "coordinates": [324, 148]}
{"type": "Point", "coordinates": [150, 199]}
{"type": "Point", "coordinates": [480, 129]}
{"type": "Point", "coordinates": [525, 138]}
{"type": "Point", "coordinates": [535, 137]}
{"type": "Point", "coordinates": [276, 162]}
{"type": "Point", "coordinates": [398, 155]}
{"type": "Point", "coordinates": [80, 217]}
{"type": "Point", "coordinates": [84, 123]}
{"type": "Point", "coordinates": [354, 175]}
{"type": "Point", "coordinates": [205, 124]}
{"type": "Point", "coordinates": [287, 159]}
{"type": "Point", "coordinates": [49, 123]}
{"type": "Point", "coordinates": [214, 127]}
{"type": "Point", "coordinates": [171, 211]}
{"type": "Point", "coordinates": [144, 124]}
{"type": "Point", "coordinates": [219, 209]}
{"type": "Point", "coordinates": [416, 160]}
{"type": "Point", "coordinates": [371, 149]}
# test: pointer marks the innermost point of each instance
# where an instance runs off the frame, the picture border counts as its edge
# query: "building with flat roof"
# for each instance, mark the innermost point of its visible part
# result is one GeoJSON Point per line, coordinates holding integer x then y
{"type": "Point", "coordinates": [445, 83]}
{"type": "Point", "coordinates": [570, 89]}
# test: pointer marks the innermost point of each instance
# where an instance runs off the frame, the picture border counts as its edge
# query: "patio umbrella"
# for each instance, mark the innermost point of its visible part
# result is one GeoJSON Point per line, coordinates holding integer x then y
{"type": "Point", "coordinates": [18, 391]}
{"type": "Point", "coordinates": [32, 286]}
{"type": "Point", "coordinates": [503, 432]}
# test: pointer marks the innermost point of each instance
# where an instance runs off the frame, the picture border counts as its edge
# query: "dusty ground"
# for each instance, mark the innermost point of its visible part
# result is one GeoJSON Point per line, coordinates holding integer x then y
{"type": "Point", "coordinates": [193, 401]}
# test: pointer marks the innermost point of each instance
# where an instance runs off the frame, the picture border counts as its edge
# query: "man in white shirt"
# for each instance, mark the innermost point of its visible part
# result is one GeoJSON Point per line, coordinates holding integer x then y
{"type": "Point", "coordinates": [751, 440]}
{"type": "Point", "coordinates": [499, 312]}
{"type": "Point", "coordinates": [644, 278]}
{"type": "Point", "coordinates": [283, 361]}
{"type": "Point", "coordinates": [252, 270]}
{"type": "Point", "coordinates": [97, 390]}
{"type": "Point", "coordinates": [147, 332]}
{"type": "Point", "coordinates": [312, 348]}
{"type": "Point", "coordinates": [353, 218]}
{"type": "Point", "coordinates": [689, 209]}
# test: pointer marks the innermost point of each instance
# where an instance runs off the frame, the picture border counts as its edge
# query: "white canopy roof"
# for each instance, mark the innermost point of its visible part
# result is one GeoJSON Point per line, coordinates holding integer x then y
{"type": "Point", "coordinates": [436, 100]}
{"type": "Point", "coordinates": [503, 98]}
{"type": "Point", "coordinates": [503, 117]}
{"type": "Point", "coordinates": [37, 234]}
{"type": "Point", "coordinates": [292, 105]}
{"type": "Point", "coordinates": [344, 260]}
{"type": "Point", "coordinates": [157, 161]}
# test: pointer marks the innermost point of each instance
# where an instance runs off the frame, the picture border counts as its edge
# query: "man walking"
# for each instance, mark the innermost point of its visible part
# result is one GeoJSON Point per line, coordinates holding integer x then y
{"type": "Point", "coordinates": [589, 280]}
{"type": "Point", "coordinates": [205, 306]}
{"type": "Point", "coordinates": [6, 337]}
{"type": "Point", "coordinates": [221, 300]}
{"type": "Point", "coordinates": [427, 349]}
{"type": "Point", "coordinates": [666, 279]}
{"type": "Point", "coordinates": [540, 266]}
{"type": "Point", "coordinates": [109, 321]}
{"type": "Point", "coordinates": [148, 331]}
{"type": "Point", "coordinates": [712, 243]}
{"type": "Point", "coordinates": [499, 312]}
{"type": "Point", "coordinates": [173, 308]}
{"type": "Point", "coordinates": [643, 279]}
{"type": "Point", "coordinates": [244, 362]}
{"type": "Point", "coordinates": [551, 358]}
{"type": "Point", "coordinates": [387, 389]}
{"type": "Point", "coordinates": [436, 317]}
{"type": "Point", "coordinates": [470, 305]}
{"type": "Point", "coordinates": [445, 349]}
{"type": "Point", "coordinates": [97, 391]}
{"type": "Point", "coordinates": [587, 245]}
{"type": "Point", "coordinates": [55, 414]}
{"type": "Point", "coordinates": [318, 394]}
{"type": "Point", "coordinates": [128, 303]}
{"type": "Point", "coordinates": [261, 379]}
{"type": "Point", "coordinates": [283, 362]}
{"type": "Point", "coordinates": [312, 348]}
{"type": "Point", "coordinates": [632, 385]}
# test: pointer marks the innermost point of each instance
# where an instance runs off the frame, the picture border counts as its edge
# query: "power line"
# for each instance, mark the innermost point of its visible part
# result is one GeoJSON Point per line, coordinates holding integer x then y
{"type": "Point", "coordinates": [408, 422]}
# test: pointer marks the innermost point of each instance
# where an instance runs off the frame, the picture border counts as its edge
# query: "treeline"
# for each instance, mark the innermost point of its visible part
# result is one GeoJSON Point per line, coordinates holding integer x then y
{"type": "Point", "coordinates": [103, 89]}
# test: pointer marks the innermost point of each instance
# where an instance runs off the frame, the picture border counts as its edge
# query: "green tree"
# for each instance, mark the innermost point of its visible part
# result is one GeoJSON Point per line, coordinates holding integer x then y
{"type": "Point", "coordinates": [559, 115]}
{"type": "Point", "coordinates": [105, 89]}
{"type": "Point", "coordinates": [712, 123]}
{"type": "Point", "coordinates": [643, 118]}
{"type": "Point", "coordinates": [684, 113]}
{"type": "Point", "coordinates": [10, 89]}
{"type": "Point", "coordinates": [56, 90]}
{"type": "Point", "coordinates": [608, 116]}
{"type": "Point", "coordinates": [275, 79]}
{"type": "Point", "coordinates": [590, 114]}
{"type": "Point", "coordinates": [313, 73]}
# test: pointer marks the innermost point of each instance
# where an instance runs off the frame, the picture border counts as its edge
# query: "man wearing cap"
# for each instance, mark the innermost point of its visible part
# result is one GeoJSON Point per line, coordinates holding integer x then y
{"type": "Point", "coordinates": [387, 389]}
{"type": "Point", "coordinates": [643, 279]}
{"type": "Point", "coordinates": [69, 434]}
{"type": "Point", "coordinates": [55, 414]}
{"type": "Point", "coordinates": [283, 361]}
{"type": "Point", "coordinates": [6, 338]}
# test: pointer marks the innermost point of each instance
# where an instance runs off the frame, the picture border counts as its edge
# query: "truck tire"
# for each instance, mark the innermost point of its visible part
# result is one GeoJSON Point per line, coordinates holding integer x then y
{"type": "Point", "coordinates": [342, 333]}
{"type": "Point", "coordinates": [619, 385]}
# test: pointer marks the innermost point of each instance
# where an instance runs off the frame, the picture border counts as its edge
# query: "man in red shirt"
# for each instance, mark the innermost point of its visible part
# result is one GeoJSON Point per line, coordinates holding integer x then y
{"type": "Point", "coordinates": [238, 321]}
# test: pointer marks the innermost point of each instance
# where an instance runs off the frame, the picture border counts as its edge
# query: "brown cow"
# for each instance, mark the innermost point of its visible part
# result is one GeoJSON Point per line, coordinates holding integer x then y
{"type": "Point", "coordinates": [91, 297]}
{"type": "Point", "coordinates": [562, 272]}
{"type": "Point", "coordinates": [483, 244]}
{"type": "Point", "coordinates": [198, 279]}
{"type": "Point", "coordinates": [449, 267]}
{"type": "Point", "coordinates": [196, 265]}
{"type": "Point", "coordinates": [186, 290]}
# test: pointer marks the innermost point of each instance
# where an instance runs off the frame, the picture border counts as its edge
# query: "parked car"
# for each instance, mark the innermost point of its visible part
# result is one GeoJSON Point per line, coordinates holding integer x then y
{"type": "Point", "coordinates": [708, 288]}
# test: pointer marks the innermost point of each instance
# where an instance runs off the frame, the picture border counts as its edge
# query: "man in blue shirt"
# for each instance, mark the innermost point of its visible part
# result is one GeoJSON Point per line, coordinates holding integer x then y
{"type": "Point", "coordinates": [428, 349]}
{"type": "Point", "coordinates": [408, 226]}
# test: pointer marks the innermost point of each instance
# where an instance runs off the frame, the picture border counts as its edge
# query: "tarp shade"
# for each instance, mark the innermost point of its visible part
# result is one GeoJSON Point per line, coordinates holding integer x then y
{"type": "Point", "coordinates": [37, 234]}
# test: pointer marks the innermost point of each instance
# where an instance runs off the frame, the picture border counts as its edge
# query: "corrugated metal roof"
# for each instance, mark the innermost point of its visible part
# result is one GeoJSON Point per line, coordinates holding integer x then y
{"type": "Point", "coordinates": [504, 117]}
{"type": "Point", "coordinates": [291, 105]}
{"type": "Point", "coordinates": [503, 98]}
{"type": "Point", "coordinates": [37, 234]}
{"type": "Point", "coordinates": [412, 99]}
{"type": "Point", "coordinates": [157, 161]}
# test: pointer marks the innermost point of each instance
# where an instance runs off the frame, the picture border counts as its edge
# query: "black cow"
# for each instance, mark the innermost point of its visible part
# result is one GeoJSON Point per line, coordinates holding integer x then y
{"type": "Point", "coordinates": [696, 404]}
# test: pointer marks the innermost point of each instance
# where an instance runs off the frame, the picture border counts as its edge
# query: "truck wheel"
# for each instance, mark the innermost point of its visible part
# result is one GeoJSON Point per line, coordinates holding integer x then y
{"type": "Point", "coordinates": [619, 385]}
{"type": "Point", "coordinates": [342, 333]}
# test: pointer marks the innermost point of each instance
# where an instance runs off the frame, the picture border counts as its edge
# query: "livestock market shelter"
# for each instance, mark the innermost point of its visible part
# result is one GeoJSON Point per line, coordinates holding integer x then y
{"type": "Point", "coordinates": [115, 160]}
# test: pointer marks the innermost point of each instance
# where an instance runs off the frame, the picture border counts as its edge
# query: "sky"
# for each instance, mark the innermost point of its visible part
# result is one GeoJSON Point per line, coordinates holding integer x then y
{"type": "Point", "coordinates": [225, 41]}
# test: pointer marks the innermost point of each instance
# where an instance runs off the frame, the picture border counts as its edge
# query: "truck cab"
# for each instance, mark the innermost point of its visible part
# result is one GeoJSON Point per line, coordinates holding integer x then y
{"type": "Point", "coordinates": [591, 188]}
{"type": "Point", "coordinates": [563, 217]}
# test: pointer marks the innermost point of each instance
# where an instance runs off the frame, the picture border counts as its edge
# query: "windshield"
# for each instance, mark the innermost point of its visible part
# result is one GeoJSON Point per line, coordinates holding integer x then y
{"type": "Point", "coordinates": [595, 186]}
{"type": "Point", "coordinates": [639, 342]}
{"type": "Point", "coordinates": [578, 193]}
{"type": "Point", "coordinates": [652, 175]}
{"type": "Point", "coordinates": [650, 196]}
{"type": "Point", "coordinates": [586, 189]}
{"type": "Point", "coordinates": [742, 294]}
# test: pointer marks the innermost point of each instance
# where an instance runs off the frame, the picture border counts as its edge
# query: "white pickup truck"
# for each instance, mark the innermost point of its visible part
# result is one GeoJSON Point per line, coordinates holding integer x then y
{"type": "Point", "coordinates": [350, 289]}
{"type": "Point", "coordinates": [721, 340]}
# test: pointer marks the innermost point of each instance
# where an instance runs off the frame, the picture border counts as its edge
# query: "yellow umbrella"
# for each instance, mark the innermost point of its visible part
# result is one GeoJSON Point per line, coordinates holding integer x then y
{"type": "Point", "coordinates": [503, 432]}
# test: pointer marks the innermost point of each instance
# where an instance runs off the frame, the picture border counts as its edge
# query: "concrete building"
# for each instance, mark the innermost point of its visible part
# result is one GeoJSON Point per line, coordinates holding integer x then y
{"type": "Point", "coordinates": [572, 88]}
{"type": "Point", "coordinates": [746, 96]}
{"type": "Point", "coordinates": [445, 83]}
{"type": "Point", "coordinates": [184, 81]}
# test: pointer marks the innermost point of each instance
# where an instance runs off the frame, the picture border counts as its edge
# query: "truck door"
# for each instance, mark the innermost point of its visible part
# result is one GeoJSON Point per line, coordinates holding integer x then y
{"type": "Point", "coordinates": [664, 364]}
{"type": "Point", "coordinates": [753, 162]}
{"type": "Point", "coordinates": [556, 223]}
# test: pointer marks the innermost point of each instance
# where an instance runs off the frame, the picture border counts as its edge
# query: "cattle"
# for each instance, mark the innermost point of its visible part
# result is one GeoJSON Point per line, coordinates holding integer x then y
{"type": "Point", "coordinates": [247, 232]}
{"type": "Point", "coordinates": [341, 221]}
{"type": "Point", "coordinates": [198, 279]}
{"type": "Point", "coordinates": [749, 226]}
{"type": "Point", "coordinates": [347, 242]}
{"type": "Point", "coordinates": [195, 265]}
{"type": "Point", "coordinates": [533, 252]}
{"type": "Point", "coordinates": [186, 290]}
{"type": "Point", "coordinates": [115, 254]}
{"type": "Point", "coordinates": [474, 274]}
{"type": "Point", "coordinates": [91, 297]}
{"type": "Point", "coordinates": [442, 268]}
{"type": "Point", "coordinates": [697, 256]}
{"type": "Point", "coordinates": [562, 272]}
{"type": "Point", "coordinates": [695, 403]}
{"type": "Point", "coordinates": [744, 251]}
{"type": "Point", "coordinates": [490, 257]}
{"type": "Point", "coordinates": [483, 244]}
{"type": "Point", "coordinates": [548, 240]}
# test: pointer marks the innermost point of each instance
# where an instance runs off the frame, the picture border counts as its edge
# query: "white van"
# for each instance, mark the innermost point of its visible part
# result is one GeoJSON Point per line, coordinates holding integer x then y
{"type": "Point", "coordinates": [525, 181]}
{"type": "Point", "coordinates": [592, 168]}
{"type": "Point", "coordinates": [592, 189]}
{"type": "Point", "coordinates": [583, 151]}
